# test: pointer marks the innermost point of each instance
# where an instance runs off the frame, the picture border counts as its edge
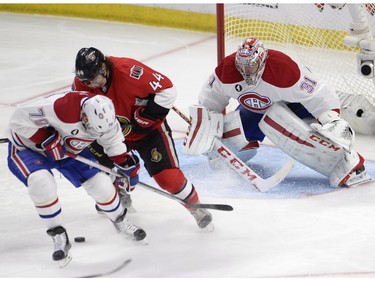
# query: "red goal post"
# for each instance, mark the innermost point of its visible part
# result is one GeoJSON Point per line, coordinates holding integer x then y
{"type": "Point", "coordinates": [333, 40]}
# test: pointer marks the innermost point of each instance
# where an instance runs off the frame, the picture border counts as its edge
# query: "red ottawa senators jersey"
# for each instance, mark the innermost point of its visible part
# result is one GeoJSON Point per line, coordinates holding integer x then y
{"type": "Point", "coordinates": [131, 83]}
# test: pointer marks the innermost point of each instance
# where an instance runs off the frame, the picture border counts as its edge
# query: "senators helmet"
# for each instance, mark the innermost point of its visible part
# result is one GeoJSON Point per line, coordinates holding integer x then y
{"type": "Point", "coordinates": [88, 63]}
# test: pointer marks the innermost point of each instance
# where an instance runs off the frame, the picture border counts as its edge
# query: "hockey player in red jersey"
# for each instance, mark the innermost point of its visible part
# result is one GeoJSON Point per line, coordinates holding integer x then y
{"type": "Point", "coordinates": [41, 131]}
{"type": "Point", "coordinates": [142, 98]}
{"type": "Point", "coordinates": [282, 100]}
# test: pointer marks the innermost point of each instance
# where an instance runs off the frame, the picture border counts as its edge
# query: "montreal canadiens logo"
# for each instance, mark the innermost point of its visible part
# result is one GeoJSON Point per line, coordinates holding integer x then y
{"type": "Point", "coordinates": [254, 102]}
{"type": "Point", "coordinates": [77, 144]}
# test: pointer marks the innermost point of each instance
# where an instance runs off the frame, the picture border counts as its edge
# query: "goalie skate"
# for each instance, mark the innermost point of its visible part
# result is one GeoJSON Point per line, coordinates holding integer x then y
{"type": "Point", "coordinates": [203, 219]}
{"type": "Point", "coordinates": [61, 245]}
{"type": "Point", "coordinates": [356, 177]}
{"type": "Point", "coordinates": [123, 225]}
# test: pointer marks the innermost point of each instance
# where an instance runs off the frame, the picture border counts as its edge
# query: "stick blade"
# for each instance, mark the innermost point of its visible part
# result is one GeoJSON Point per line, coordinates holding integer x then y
{"type": "Point", "coordinates": [265, 185]}
{"type": "Point", "coordinates": [219, 207]}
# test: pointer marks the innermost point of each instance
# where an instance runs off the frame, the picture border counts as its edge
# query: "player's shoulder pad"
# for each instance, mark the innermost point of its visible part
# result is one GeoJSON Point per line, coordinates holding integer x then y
{"type": "Point", "coordinates": [68, 107]}
{"type": "Point", "coordinates": [227, 72]}
{"type": "Point", "coordinates": [281, 70]}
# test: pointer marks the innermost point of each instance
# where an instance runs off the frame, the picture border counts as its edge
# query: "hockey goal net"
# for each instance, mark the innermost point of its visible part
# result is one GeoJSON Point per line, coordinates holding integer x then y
{"type": "Point", "coordinates": [312, 34]}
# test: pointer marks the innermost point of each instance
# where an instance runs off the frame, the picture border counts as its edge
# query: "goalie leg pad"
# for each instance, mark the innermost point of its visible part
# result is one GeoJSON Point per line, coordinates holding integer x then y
{"type": "Point", "coordinates": [298, 140]}
{"type": "Point", "coordinates": [205, 127]}
{"type": "Point", "coordinates": [233, 133]}
{"type": "Point", "coordinates": [234, 138]}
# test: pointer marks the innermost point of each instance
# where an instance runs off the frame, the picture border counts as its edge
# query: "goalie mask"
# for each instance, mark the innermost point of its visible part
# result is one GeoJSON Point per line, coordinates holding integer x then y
{"type": "Point", "coordinates": [98, 115]}
{"type": "Point", "coordinates": [89, 64]}
{"type": "Point", "coordinates": [251, 59]}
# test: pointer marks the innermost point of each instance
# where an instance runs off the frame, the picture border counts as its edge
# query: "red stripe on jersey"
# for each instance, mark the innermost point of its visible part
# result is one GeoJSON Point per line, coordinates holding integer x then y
{"type": "Point", "coordinates": [41, 135]}
{"type": "Point", "coordinates": [17, 139]}
{"type": "Point", "coordinates": [19, 162]}
{"type": "Point", "coordinates": [120, 159]}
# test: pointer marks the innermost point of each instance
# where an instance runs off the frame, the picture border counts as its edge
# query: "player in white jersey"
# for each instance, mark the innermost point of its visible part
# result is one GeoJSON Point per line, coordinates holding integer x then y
{"type": "Point", "coordinates": [42, 131]}
{"type": "Point", "coordinates": [280, 99]}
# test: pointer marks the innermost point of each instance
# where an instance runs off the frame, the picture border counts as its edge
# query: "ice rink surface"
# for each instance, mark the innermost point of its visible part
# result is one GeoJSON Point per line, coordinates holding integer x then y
{"type": "Point", "coordinates": [302, 228]}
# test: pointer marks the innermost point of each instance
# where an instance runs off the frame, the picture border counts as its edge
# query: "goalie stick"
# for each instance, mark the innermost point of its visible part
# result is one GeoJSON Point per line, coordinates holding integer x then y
{"type": "Point", "coordinates": [220, 207]}
{"type": "Point", "coordinates": [244, 170]}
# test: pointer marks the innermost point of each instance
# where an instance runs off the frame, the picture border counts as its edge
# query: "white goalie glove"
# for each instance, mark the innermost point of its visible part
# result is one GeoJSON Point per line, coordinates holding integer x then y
{"type": "Point", "coordinates": [333, 127]}
{"type": "Point", "coordinates": [204, 128]}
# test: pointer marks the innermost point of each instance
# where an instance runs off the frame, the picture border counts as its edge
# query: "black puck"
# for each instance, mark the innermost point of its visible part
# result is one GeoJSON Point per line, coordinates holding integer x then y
{"type": "Point", "coordinates": [79, 239]}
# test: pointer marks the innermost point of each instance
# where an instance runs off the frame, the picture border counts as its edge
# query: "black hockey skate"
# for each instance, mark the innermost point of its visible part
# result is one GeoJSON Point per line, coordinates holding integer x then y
{"type": "Point", "coordinates": [123, 225]}
{"type": "Point", "coordinates": [61, 245]}
{"type": "Point", "coordinates": [203, 219]}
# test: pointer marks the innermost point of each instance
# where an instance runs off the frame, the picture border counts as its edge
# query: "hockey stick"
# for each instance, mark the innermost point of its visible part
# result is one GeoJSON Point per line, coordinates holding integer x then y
{"type": "Point", "coordinates": [244, 170]}
{"type": "Point", "coordinates": [119, 267]}
{"type": "Point", "coordinates": [219, 207]}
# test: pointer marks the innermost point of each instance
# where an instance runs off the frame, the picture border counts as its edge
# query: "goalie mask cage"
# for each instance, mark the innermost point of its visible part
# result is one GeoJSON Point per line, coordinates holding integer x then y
{"type": "Point", "coordinates": [312, 34]}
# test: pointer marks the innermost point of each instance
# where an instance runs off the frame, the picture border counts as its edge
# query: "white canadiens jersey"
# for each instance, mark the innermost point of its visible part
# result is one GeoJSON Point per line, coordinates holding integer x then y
{"type": "Point", "coordinates": [63, 113]}
{"type": "Point", "coordinates": [282, 80]}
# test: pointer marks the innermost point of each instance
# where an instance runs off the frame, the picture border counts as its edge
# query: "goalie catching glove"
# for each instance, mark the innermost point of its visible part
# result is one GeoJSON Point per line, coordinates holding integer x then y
{"type": "Point", "coordinates": [130, 170]}
{"type": "Point", "coordinates": [204, 128]}
{"type": "Point", "coordinates": [333, 127]}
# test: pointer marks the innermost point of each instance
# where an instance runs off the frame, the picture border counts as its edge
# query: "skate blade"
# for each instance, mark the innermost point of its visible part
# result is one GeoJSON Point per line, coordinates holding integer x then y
{"type": "Point", "coordinates": [143, 242]}
{"type": "Point", "coordinates": [360, 180]}
{"type": "Point", "coordinates": [131, 210]}
{"type": "Point", "coordinates": [65, 262]}
{"type": "Point", "coordinates": [209, 228]}
{"type": "Point", "coordinates": [125, 236]}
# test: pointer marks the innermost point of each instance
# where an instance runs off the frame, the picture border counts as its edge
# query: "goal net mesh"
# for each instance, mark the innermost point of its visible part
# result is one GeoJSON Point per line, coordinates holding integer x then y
{"type": "Point", "coordinates": [312, 34]}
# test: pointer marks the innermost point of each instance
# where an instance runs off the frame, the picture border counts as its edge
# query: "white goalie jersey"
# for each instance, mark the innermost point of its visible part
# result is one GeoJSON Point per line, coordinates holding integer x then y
{"type": "Point", "coordinates": [282, 80]}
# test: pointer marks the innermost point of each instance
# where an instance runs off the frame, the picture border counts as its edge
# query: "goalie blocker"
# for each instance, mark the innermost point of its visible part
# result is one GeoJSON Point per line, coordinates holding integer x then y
{"type": "Point", "coordinates": [207, 125]}
{"type": "Point", "coordinates": [298, 140]}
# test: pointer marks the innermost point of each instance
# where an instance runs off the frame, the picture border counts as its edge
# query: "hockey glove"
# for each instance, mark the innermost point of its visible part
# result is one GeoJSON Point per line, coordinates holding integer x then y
{"type": "Point", "coordinates": [54, 146]}
{"type": "Point", "coordinates": [130, 170]}
{"type": "Point", "coordinates": [204, 128]}
{"type": "Point", "coordinates": [333, 127]}
{"type": "Point", "coordinates": [142, 124]}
